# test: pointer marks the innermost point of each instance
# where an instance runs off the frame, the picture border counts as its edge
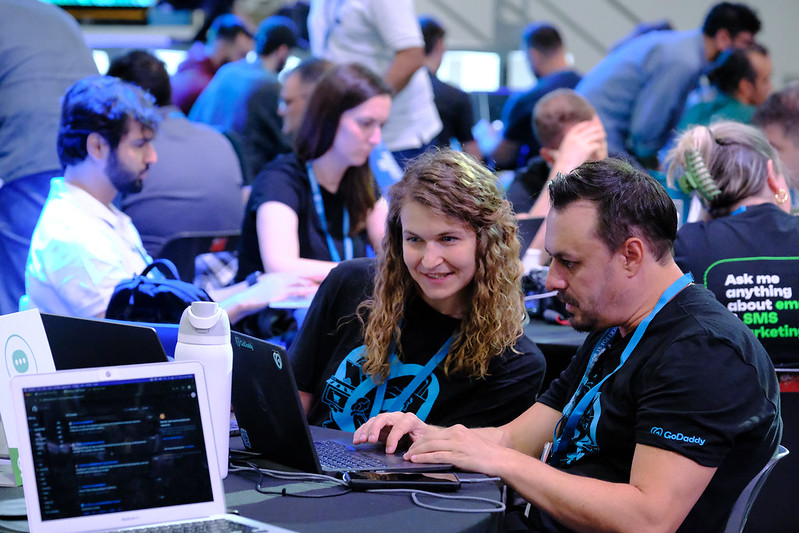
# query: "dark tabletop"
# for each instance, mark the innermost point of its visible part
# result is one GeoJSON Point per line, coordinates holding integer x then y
{"type": "Point", "coordinates": [355, 511]}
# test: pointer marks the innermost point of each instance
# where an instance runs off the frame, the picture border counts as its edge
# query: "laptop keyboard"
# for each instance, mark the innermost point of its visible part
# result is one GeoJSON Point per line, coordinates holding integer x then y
{"type": "Point", "coordinates": [336, 456]}
{"type": "Point", "coordinates": [218, 525]}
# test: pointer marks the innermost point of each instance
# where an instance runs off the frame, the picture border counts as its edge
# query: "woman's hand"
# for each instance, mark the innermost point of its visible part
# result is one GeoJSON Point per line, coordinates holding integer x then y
{"type": "Point", "coordinates": [390, 428]}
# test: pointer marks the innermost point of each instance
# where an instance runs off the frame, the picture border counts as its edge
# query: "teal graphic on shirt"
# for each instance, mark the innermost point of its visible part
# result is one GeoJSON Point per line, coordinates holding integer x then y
{"type": "Point", "coordinates": [585, 440]}
{"type": "Point", "coordinates": [349, 393]}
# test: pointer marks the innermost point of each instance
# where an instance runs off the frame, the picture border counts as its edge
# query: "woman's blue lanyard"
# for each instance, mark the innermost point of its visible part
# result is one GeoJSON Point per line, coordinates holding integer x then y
{"type": "Point", "coordinates": [398, 402]}
{"type": "Point", "coordinates": [320, 212]}
{"type": "Point", "coordinates": [572, 413]}
{"type": "Point", "coordinates": [738, 211]}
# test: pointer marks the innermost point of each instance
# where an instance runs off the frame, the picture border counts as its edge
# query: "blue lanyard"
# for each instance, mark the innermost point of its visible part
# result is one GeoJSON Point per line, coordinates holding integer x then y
{"type": "Point", "coordinates": [398, 402]}
{"type": "Point", "coordinates": [320, 212]}
{"type": "Point", "coordinates": [738, 211]}
{"type": "Point", "coordinates": [572, 413]}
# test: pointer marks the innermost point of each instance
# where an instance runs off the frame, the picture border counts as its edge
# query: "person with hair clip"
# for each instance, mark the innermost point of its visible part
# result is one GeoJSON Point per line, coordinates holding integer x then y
{"type": "Point", "coordinates": [319, 205]}
{"type": "Point", "coordinates": [747, 252]}
{"type": "Point", "coordinates": [435, 325]}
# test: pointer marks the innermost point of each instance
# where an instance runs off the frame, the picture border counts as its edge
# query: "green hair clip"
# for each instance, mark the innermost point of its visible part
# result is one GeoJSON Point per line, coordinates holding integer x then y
{"type": "Point", "coordinates": [697, 177]}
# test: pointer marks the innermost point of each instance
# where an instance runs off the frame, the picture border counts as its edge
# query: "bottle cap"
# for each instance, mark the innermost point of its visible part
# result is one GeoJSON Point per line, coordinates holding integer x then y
{"type": "Point", "coordinates": [204, 323]}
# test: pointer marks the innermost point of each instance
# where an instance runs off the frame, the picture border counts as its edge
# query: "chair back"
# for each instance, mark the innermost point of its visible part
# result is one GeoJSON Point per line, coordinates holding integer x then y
{"type": "Point", "coordinates": [740, 511]}
{"type": "Point", "coordinates": [183, 248]}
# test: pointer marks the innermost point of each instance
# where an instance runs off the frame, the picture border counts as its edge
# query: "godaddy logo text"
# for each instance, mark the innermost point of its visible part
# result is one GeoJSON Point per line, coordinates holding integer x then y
{"type": "Point", "coordinates": [677, 436]}
{"type": "Point", "coordinates": [241, 343]}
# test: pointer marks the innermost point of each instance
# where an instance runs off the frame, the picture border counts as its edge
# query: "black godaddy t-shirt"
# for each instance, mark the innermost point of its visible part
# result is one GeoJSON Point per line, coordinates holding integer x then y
{"type": "Point", "coordinates": [697, 384]}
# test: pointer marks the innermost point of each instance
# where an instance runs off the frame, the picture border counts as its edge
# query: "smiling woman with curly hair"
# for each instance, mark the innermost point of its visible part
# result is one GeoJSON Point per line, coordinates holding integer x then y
{"type": "Point", "coordinates": [434, 326]}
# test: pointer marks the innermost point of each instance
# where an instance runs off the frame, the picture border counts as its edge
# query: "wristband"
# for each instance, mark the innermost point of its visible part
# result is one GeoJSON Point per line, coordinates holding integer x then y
{"type": "Point", "coordinates": [252, 279]}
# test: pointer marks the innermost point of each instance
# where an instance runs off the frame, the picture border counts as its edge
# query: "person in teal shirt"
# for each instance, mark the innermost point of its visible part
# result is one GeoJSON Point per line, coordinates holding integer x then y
{"type": "Point", "coordinates": [741, 81]}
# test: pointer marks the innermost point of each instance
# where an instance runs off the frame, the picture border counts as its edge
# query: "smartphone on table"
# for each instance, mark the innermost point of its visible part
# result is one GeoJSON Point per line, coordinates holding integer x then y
{"type": "Point", "coordinates": [433, 481]}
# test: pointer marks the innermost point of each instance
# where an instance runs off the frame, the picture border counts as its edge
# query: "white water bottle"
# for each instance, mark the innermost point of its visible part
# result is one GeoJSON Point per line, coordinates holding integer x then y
{"type": "Point", "coordinates": [204, 336]}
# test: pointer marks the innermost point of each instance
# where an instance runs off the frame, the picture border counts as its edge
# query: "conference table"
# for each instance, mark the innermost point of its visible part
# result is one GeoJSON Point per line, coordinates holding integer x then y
{"type": "Point", "coordinates": [350, 512]}
{"type": "Point", "coordinates": [323, 511]}
{"type": "Point", "coordinates": [362, 511]}
{"type": "Point", "coordinates": [388, 513]}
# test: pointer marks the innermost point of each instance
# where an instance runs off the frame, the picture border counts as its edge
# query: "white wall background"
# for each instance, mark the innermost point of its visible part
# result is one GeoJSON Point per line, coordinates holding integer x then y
{"type": "Point", "coordinates": [589, 27]}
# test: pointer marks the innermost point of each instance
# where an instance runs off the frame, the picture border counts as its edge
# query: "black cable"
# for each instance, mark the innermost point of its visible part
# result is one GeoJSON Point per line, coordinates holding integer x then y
{"type": "Point", "coordinates": [247, 467]}
{"type": "Point", "coordinates": [285, 492]}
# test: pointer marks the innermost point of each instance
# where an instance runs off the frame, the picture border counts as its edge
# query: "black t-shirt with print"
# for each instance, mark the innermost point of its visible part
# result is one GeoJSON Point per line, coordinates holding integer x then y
{"type": "Point", "coordinates": [750, 261]}
{"type": "Point", "coordinates": [324, 363]}
{"type": "Point", "coordinates": [698, 383]}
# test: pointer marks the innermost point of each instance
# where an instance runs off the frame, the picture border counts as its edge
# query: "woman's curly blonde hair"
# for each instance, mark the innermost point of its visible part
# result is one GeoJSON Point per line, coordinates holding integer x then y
{"type": "Point", "coordinates": [458, 187]}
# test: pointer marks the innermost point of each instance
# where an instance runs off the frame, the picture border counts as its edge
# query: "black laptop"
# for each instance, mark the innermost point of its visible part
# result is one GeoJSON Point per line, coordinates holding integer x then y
{"type": "Point", "coordinates": [272, 421]}
{"type": "Point", "coordinates": [89, 342]}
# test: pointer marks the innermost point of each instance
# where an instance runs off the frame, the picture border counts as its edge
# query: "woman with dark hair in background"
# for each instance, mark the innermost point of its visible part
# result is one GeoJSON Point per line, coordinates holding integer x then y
{"type": "Point", "coordinates": [434, 326]}
{"type": "Point", "coordinates": [748, 252]}
{"type": "Point", "coordinates": [310, 209]}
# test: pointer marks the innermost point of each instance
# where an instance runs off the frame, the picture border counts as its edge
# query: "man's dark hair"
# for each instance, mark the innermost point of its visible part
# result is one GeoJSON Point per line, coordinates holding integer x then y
{"type": "Point", "coordinates": [629, 203]}
{"type": "Point", "coordinates": [734, 18]}
{"type": "Point", "coordinates": [146, 71]}
{"type": "Point", "coordinates": [729, 69]}
{"type": "Point", "coordinates": [227, 27]}
{"type": "Point", "coordinates": [273, 32]}
{"type": "Point", "coordinates": [781, 108]}
{"type": "Point", "coordinates": [312, 69]}
{"type": "Point", "coordinates": [432, 32]}
{"type": "Point", "coordinates": [542, 37]}
{"type": "Point", "coordinates": [102, 105]}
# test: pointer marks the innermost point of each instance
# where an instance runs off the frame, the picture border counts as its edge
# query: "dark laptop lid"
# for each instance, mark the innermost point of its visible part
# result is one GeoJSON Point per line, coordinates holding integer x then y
{"type": "Point", "coordinates": [527, 228]}
{"type": "Point", "coordinates": [88, 342]}
{"type": "Point", "coordinates": [267, 404]}
{"type": "Point", "coordinates": [271, 418]}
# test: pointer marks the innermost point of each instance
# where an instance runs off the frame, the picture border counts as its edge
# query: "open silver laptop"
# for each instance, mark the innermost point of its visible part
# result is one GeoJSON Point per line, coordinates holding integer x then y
{"type": "Point", "coordinates": [120, 448]}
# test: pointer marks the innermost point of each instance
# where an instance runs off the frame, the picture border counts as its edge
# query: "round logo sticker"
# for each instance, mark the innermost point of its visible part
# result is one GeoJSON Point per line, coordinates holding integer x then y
{"type": "Point", "coordinates": [19, 356]}
{"type": "Point", "coordinates": [278, 360]}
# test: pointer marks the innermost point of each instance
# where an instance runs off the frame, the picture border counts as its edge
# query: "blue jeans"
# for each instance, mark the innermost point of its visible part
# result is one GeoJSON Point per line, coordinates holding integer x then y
{"type": "Point", "coordinates": [21, 203]}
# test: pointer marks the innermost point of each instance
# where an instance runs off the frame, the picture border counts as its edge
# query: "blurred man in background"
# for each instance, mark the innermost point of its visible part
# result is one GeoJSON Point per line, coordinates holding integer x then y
{"type": "Point", "coordinates": [228, 40]}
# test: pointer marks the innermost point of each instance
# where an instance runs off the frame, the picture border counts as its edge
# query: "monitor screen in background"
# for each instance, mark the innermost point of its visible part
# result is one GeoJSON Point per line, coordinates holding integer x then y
{"type": "Point", "coordinates": [102, 60]}
{"type": "Point", "coordinates": [471, 71]}
{"type": "Point", "coordinates": [171, 58]}
{"type": "Point", "coordinates": [519, 75]}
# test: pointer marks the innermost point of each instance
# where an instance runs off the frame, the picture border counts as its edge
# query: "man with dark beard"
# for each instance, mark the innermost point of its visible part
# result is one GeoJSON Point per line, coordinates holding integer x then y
{"type": "Point", "coordinates": [666, 412]}
{"type": "Point", "coordinates": [83, 246]}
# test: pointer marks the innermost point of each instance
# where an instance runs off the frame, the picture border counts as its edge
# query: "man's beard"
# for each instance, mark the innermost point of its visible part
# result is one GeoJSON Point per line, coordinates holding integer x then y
{"type": "Point", "coordinates": [124, 180]}
{"type": "Point", "coordinates": [586, 322]}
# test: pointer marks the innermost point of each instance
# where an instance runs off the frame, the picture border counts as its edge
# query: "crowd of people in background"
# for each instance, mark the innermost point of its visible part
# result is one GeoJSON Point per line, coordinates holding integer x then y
{"type": "Point", "coordinates": [357, 172]}
{"type": "Point", "coordinates": [230, 82]}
